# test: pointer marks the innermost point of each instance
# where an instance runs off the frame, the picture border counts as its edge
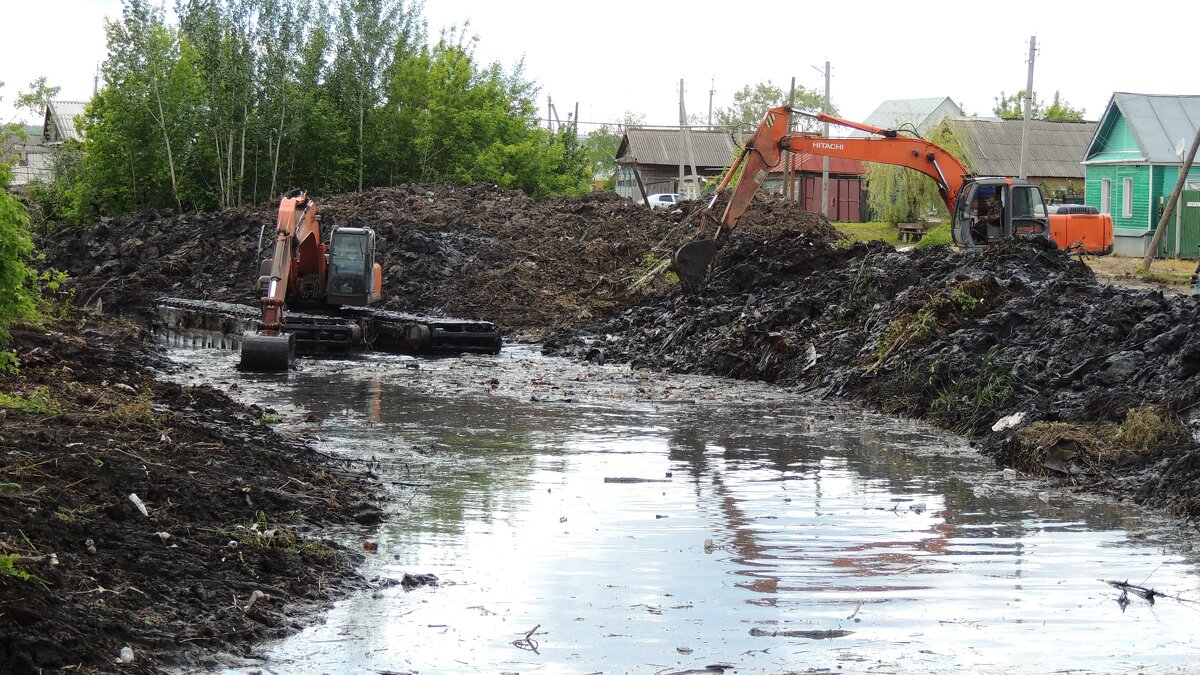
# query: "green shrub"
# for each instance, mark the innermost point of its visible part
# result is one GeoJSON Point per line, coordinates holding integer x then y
{"type": "Point", "coordinates": [18, 290]}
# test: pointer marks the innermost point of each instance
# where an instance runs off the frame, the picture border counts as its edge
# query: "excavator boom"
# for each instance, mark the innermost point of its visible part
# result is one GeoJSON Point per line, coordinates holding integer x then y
{"type": "Point", "coordinates": [764, 150]}
{"type": "Point", "coordinates": [271, 349]}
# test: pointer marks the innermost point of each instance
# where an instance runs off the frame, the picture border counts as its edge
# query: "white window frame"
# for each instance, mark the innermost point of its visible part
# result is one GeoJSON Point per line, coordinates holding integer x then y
{"type": "Point", "coordinates": [1106, 195]}
{"type": "Point", "coordinates": [1127, 198]}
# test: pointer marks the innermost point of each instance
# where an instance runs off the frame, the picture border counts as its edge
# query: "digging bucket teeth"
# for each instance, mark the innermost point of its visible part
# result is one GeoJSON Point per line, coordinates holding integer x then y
{"type": "Point", "coordinates": [268, 353]}
{"type": "Point", "coordinates": [691, 262]}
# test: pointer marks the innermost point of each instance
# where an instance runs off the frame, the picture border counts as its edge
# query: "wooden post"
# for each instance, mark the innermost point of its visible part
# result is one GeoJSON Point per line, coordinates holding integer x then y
{"type": "Point", "coordinates": [1170, 205]}
{"type": "Point", "coordinates": [637, 175]}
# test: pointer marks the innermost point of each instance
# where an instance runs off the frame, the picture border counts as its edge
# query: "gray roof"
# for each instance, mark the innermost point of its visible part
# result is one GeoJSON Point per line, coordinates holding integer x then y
{"type": "Point", "coordinates": [662, 146]}
{"type": "Point", "coordinates": [993, 146]}
{"type": "Point", "coordinates": [61, 115]}
{"type": "Point", "coordinates": [1157, 122]}
{"type": "Point", "coordinates": [923, 113]}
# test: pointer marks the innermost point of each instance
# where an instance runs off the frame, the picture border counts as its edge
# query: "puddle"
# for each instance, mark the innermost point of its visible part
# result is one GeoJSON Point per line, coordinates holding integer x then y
{"type": "Point", "coordinates": [584, 518]}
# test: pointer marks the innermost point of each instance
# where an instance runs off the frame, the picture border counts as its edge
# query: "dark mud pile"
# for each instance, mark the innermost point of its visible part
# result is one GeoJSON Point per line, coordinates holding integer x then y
{"type": "Point", "coordinates": [1101, 379]}
{"type": "Point", "coordinates": [476, 251]}
{"type": "Point", "coordinates": [224, 554]}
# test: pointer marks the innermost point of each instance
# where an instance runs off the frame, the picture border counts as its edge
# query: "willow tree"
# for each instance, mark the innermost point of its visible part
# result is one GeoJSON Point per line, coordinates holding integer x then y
{"type": "Point", "coordinates": [897, 194]}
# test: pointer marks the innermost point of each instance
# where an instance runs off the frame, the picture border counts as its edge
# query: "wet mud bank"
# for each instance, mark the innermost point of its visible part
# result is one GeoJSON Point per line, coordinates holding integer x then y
{"type": "Point", "coordinates": [165, 519]}
{"type": "Point", "coordinates": [1016, 346]}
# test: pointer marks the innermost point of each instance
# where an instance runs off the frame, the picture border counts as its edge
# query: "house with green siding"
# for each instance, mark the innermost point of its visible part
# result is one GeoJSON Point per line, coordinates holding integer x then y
{"type": "Point", "coordinates": [1132, 164]}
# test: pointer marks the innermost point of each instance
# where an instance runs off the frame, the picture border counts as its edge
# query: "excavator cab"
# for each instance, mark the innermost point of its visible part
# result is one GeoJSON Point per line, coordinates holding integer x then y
{"type": "Point", "coordinates": [353, 277]}
{"type": "Point", "coordinates": [1023, 211]}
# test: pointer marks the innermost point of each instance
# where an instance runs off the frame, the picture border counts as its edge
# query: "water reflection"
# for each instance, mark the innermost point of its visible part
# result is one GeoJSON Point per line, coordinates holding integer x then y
{"type": "Point", "coordinates": [769, 535]}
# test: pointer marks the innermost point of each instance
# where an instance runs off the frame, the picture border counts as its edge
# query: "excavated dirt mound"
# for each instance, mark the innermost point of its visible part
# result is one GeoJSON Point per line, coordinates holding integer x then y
{"type": "Point", "coordinates": [963, 339]}
{"type": "Point", "coordinates": [219, 559]}
{"type": "Point", "coordinates": [476, 251]}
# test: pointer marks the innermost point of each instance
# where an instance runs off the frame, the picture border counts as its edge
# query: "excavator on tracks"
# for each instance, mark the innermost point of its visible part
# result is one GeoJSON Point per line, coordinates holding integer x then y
{"type": "Point", "coordinates": [316, 297]}
{"type": "Point", "coordinates": [1023, 210]}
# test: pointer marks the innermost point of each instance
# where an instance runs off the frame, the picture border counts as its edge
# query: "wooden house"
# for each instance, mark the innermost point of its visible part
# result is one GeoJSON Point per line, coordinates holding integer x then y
{"type": "Point", "coordinates": [1132, 164]}
{"type": "Point", "coordinates": [655, 157]}
{"type": "Point", "coordinates": [992, 147]}
{"type": "Point", "coordinates": [58, 125]}
{"type": "Point", "coordinates": [28, 157]}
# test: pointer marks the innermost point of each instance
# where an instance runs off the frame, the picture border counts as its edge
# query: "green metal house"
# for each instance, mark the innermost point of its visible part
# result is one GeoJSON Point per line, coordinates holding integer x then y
{"type": "Point", "coordinates": [1132, 164]}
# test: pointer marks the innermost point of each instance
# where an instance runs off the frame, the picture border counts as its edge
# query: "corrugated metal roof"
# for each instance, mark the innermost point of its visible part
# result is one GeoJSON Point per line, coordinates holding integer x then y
{"type": "Point", "coordinates": [923, 113]}
{"type": "Point", "coordinates": [62, 115]}
{"type": "Point", "coordinates": [994, 146]}
{"type": "Point", "coordinates": [1157, 121]}
{"type": "Point", "coordinates": [712, 149]}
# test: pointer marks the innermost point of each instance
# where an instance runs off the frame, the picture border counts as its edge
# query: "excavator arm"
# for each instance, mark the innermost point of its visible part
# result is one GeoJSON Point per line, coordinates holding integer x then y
{"type": "Point", "coordinates": [764, 150]}
{"type": "Point", "coordinates": [271, 349]}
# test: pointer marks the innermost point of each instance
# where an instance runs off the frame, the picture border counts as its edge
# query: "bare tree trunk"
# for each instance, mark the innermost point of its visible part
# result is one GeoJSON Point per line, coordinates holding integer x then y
{"type": "Point", "coordinates": [220, 163]}
{"type": "Point", "coordinates": [162, 124]}
{"type": "Point", "coordinates": [1170, 206]}
{"type": "Point", "coordinates": [278, 145]}
{"type": "Point", "coordinates": [242, 168]}
{"type": "Point", "coordinates": [133, 177]}
{"type": "Point", "coordinates": [229, 168]}
{"type": "Point", "coordinates": [361, 114]}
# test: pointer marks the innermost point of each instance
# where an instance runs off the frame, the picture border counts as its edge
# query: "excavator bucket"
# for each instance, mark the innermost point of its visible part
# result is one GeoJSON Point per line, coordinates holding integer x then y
{"type": "Point", "coordinates": [691, 262]}
{"type": "Point", "coordinates": [268, 353]}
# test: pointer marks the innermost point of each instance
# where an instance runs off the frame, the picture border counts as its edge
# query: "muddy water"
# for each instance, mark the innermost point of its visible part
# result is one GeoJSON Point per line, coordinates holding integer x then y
{"type": "Point", "coordinates": [584, 518]}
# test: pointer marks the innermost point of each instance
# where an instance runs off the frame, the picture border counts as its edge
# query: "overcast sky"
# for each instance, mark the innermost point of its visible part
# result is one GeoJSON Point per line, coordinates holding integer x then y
{"type": "Point", "coordinates": [629, 56]}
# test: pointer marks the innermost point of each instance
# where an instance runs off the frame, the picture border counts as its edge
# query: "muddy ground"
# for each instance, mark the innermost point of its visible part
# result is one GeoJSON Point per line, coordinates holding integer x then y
{"type": "Point", "coordinates": [1017, 346]}
{"type": "Point", "coordinates": [226, 552]}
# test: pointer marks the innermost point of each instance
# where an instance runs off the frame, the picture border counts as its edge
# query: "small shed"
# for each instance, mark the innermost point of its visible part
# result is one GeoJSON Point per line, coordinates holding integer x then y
{"type": "Point", "coordinates": [1055, 150]}
{"type": "Point", "coordinates": [1132, 164]}
{"type": "Point", "coordinates": [655, 155]}
{"type": "Point", "coordinates": [847, 192]}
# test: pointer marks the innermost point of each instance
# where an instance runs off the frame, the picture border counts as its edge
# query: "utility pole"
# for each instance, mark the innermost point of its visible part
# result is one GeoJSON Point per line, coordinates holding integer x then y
{"type": "Point", "coordinates": [825, 158]}
{"type": "Point", "coordinates": [682, 122]}
{"type": "Point", "coordinates": [1028, 108]}
{"type": "Point", "coordinates": [712, 89]}
{"type": "Point", "coordinates": [789, 187]}
{"type": "Point", "coordinates": [692, 190]}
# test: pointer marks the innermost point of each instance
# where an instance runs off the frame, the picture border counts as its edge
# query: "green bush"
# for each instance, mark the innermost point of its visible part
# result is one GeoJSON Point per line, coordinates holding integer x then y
{"type": "Point", "coordinates": [18, 290]}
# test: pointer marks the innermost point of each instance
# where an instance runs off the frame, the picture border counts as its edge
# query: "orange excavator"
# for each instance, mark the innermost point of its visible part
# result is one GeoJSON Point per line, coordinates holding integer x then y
{"type": "Point", "coordinates": [1023, 208]}
{"type": "Point", "coordinates": [337, 282]}
{"type": "Point", "coordinates": [303, 272]}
